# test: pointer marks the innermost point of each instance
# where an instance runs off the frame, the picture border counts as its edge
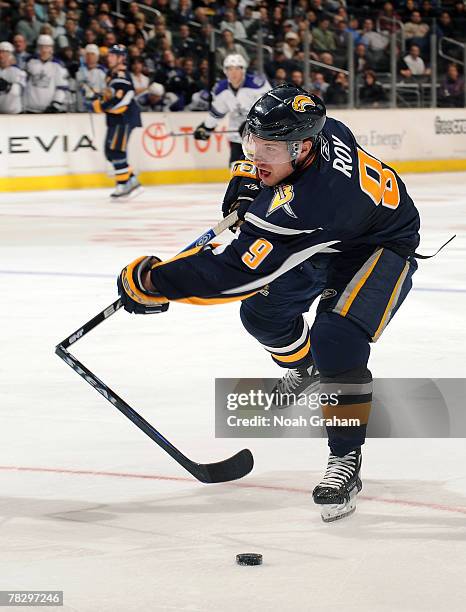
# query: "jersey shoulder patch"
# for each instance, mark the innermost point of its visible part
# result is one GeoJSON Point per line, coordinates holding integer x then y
{"type": "Point", "coordinates": [244, 168]}
{"type": "Point", "coordinates": [254, 81]}
{"type": "Point", "coordinates": [221, 86]}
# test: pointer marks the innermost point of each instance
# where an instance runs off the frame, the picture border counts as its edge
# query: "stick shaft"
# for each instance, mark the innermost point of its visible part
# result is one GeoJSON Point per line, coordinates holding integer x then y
{"type": "Point", "coordinates": [204, 238]}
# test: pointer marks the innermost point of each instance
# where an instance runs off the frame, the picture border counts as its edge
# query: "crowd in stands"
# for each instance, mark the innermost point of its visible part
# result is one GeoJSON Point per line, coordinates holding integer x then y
{"type": "Point", "coordinates": [170, 59]}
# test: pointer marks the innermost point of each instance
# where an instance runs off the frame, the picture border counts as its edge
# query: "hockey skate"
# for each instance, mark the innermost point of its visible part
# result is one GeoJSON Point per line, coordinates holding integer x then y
{"type": "Point", "coordinates": [124, 191]}
{"type": "Point", "coordinates": [336, 493]}
{"type": "Point", "coordinates": [297, 381]}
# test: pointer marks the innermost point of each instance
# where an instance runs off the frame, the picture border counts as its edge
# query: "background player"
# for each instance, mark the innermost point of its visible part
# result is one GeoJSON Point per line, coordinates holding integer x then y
{"type": "Point", "coordinates": [12, 81]}
{"type": "Point", "coordinates": [326, 200]}
{"type": "Point", "coordinates": [233, 96]}
{"type": "Point", "coordinates": [123, 115]}
{"type": "Point", "coordinates": [91, 78]}
{"type": "Point", "coordinates": [47, 84]}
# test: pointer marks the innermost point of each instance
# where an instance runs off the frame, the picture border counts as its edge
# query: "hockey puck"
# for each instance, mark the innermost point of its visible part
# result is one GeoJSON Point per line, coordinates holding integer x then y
{"type": "Point", "coordinates": [249, 559]}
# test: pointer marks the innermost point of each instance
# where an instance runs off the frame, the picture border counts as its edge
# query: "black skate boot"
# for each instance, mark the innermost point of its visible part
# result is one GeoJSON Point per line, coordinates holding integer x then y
{"type": "Point", "coordinates": [296, 381]}
{"type": "Point", "coordinates": [336, 493]}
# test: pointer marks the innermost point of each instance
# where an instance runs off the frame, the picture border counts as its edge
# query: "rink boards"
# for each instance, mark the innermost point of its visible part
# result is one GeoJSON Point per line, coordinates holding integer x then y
{"type": "Point", "coordinates": [66, 151]}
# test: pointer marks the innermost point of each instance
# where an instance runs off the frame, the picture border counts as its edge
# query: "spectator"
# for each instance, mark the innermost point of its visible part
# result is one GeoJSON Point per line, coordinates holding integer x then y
{"type": "Point", "coordinates": [342, 36]}
{"type": "Point", "coordinates": [20, 54]}
{"type": "Point", "coordinates": [70, 38]}
{"type": "Point", "coordinates": [407, 11]}
{"type": "Point", "coordinates": [184, 45]}
{"type": "Point", "coordinates": [337, 92]}
{"type": "Point", "coordinates": [388, 18]}
{"type": "Point", "coordinates": [319, 85]}
{"type": "Point", "coordinates": [327, 58]}
{"type": "Point", "coordinates": [452, 88]}
{"type": "Point", "coordinates": [291, 45]}
{"type": "Point", "coordinates": [376, 42]}
{"type": "Point", "coordinates": [428, 13]}
{"type": "Point", "coordinates": [57, 28]}
{"type": "Point", "coordinates": [322, 38]}
{"type": "Point", "coordinates": [445, 26]}
{"type": "Point", "coordinates": [353, 29]}
{"type": "Point", "coordinates": [371, 93]}
{"type": "Point", "coordinates": [156, 99]}
{"type": "Point", "coordinates": [29, 26]}
{"type": "Point", "coordinates": [231, 23]}
{"type": "Point", "coordinates": [140, 23]}
{"type": "Point", "coordinates": [229, 47]}
{"type": "Point", "coordinates": [12, 81]}
{"type": "Point", "coordinates": [415, 62]}
{"type": "Point", "coordinates": [402, 67]}
{"type": "Point", "coordinates": [416, 31]}
{"type": "Point", "coordinates": [192, 83]}
{"type": "Point", "coordinates": [362, 62]}
{"type": "Point", "coordinates": [139, 79]}
{"type": "Point", "coordinates": [297, 78]}
{"type": "Point", "coordinates": [279, 77]}
{"type": "Point", "coordinates": [47, 83]}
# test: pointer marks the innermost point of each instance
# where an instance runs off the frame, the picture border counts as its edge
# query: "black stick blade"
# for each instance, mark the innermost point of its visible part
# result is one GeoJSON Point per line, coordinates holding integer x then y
{"type": "Point", "coordinates": [229, 469]}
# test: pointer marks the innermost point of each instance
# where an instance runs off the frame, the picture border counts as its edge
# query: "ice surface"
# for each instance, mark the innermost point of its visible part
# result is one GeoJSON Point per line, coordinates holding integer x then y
{"type": "Point", "coordinates": [92, 507]}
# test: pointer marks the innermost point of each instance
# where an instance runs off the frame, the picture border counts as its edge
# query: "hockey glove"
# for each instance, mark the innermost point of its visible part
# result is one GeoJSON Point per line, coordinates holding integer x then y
{"type": "Point", "coordinates": [134, 297]}
{"type": "Point", "coordinates": [202, 132]}
{"type": "Point", "coordinates": [55, 107]}
{"type": "Point", "coordinates": [5, 86]}
{"type": "Point", "coordinates": [243, 188]}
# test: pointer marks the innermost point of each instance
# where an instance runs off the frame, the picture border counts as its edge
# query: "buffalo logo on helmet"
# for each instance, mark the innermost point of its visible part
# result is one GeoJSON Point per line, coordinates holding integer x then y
{"type": "Point", "coordinates": [300, 103]}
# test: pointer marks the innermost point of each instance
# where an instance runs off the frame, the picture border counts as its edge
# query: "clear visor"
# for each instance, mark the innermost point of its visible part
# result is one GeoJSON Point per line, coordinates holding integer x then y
{"type": "Point", "coordinates": [270, 151]}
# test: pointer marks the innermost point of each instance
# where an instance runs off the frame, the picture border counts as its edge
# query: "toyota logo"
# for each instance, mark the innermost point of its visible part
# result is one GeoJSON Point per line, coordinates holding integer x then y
{"type": "Point", "coordinates": [157, 142]}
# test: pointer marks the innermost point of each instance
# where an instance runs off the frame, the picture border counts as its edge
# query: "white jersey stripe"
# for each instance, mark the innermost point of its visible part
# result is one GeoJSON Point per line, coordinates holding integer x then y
{"type": "Point", "coordinates": [294, 260]}
{"type": "Point", "coordinates": [277, 229]}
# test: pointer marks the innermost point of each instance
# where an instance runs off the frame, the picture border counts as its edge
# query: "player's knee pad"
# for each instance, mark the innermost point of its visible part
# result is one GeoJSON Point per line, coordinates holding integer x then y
{"type": "Point", "coordinates": [338, 345]}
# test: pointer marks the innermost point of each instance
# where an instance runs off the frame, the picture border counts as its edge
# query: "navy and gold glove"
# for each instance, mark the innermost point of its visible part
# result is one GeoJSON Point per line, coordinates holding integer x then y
{"type": "Point", "coordinates": [243, 188]}
{"type": "Point", "coordinates": [134, 296]}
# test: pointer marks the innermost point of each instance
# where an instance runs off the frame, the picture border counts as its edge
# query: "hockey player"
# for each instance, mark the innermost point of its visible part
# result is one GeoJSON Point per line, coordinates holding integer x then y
{"type": "Point", "coordinates": [156, 99]}
{"type": "Point", "coordinates": [122, 113]}
{"type": "Point", "coordinates": [90, 78]}
{"type": "Point", "coordinates": [233, 96]}
{"type": "Point", "coordinates": [329, 220]}
{"type": "Point", "coordinates": [47, 80]}
{"type": "Point", "coordinates": [12, 81]}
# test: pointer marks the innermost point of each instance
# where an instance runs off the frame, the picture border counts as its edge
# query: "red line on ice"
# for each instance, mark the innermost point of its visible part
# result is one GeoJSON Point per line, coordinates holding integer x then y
{"type": "Point", "coordinates": [245, 485]}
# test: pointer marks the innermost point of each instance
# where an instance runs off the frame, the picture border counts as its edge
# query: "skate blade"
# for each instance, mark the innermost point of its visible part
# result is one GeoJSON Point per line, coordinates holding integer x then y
{"type": "Point", "coordinates": [334, 512]}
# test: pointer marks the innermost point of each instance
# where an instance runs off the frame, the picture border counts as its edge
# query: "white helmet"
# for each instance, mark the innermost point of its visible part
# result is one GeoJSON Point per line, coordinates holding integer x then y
{"type": "Point", "coordinates": [45, 40]}
{"type": "Point", "coordinates": [6, 46]}
{"type": "Point", "coordinates": [92, 49]}
{"type": "Point", "coordinates": [156, 89]}
{"type": "Point", "coordinates": [235, 60]}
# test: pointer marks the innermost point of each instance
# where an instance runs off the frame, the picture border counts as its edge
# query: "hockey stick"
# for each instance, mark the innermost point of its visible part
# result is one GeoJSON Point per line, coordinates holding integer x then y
{"type": "Point", "coordinates": [232, 468]}
{"type": "Point", "coordinates": [205, 238]}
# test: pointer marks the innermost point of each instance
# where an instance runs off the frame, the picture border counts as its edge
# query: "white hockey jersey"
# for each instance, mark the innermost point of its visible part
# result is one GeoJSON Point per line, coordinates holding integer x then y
{"type": "Point", "coordinates": [95, 78]}
{"type": "Point", "coordinates": [47, 82]}
{"type": "Point", "coordinates": [11, 101]}
{"type": "Point", "coordinates": [235, 103]}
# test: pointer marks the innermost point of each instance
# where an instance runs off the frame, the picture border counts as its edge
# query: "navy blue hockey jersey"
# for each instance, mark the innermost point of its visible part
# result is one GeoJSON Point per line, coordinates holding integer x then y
{"type": "Point", "coordinates": [121, 106]}
{"type": "Point", "coordinates": [345, 199]}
